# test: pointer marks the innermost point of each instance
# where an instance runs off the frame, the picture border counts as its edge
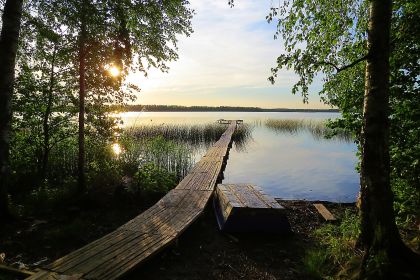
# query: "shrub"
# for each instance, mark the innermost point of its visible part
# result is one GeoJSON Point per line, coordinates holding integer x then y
{"type": "Point", "coordinates": [152, 179]}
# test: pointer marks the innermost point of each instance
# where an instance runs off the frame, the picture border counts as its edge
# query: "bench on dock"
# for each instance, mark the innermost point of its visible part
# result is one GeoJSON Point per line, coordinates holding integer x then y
{"type": "Point", "coordinates": [120, 251]}
{"type": "Point", "coordinates": [246, 208]}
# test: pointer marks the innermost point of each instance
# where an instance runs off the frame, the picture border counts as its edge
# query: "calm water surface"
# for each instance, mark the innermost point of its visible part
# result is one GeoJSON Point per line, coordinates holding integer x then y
{"type": "Point", "coordinates": [289, 166]}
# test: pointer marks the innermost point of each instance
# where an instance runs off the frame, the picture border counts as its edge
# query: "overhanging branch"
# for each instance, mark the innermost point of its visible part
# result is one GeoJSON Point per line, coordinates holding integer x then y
{"type": "Point", "coordinates": [342, 68]}
{"type": "Point", "coordinates": [352, 64]}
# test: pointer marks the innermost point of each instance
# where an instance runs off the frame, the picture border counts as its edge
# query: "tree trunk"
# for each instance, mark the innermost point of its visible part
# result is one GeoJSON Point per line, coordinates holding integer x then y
{"type": "Point", "coordinates": [45, 124]}
{"type": "Point", "coordinates": [12, 14]}
{"type": "Point", "coordinates": [82, 94]}
{"type": "Point", "coordinates": [379, 234]}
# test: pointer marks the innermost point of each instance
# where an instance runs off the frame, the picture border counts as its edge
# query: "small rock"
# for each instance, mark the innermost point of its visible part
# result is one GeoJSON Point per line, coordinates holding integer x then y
{"type": "Point", "coordinates": [43, 260]}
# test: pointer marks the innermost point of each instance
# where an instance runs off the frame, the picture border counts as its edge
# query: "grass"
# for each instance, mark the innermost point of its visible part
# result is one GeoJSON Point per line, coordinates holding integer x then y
{"type": "Point", "coordinates": [336, 248]}
{"type": "Point", "coordinates": [318, 129]}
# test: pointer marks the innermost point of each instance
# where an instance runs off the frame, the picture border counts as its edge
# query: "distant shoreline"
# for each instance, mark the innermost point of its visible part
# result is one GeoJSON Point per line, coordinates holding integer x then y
{"type": "Point", "coordinates": [176, 108]}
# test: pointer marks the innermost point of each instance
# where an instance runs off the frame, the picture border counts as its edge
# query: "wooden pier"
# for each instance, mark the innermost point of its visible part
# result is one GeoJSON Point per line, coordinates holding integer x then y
{"type": "Point", "coordinates": [223, 121]}
{"type": "Point", "coordinates": [120, 251]}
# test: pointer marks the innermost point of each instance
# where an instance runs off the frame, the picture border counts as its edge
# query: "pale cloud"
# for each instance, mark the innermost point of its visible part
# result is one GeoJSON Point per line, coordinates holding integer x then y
{"type": "Point", "coordinates": [226, 61]}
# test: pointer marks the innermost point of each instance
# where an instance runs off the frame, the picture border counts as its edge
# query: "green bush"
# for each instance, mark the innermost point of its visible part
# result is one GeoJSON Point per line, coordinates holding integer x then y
{"type": "Point", "coordinates": [152, 179]}
{"type": "Point", "coordinates": [46, 197]}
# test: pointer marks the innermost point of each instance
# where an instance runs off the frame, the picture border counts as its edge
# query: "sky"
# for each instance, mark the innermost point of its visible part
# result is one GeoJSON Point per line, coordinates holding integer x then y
{"type": "Point", "coordinates": [225, 62]}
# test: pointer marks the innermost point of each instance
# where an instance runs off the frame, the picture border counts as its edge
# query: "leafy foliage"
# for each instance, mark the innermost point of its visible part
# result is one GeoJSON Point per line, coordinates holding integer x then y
{"type": "Point", "coordinates": [329, 39]}
{"type": "Point", "coordinates": [346, 92]}
{"type": "Point", "coordinates": [319, 37]}
{"type": "Point", "coordinates": [128, 35]}
{"type": "Point", "coordinates": [150, 178]}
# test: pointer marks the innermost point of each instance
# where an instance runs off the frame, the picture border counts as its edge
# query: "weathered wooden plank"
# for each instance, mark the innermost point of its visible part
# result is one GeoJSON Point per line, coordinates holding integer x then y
{"type": "Point", "coordinates": [47, 275]}
{"type": "Point", "coordinates": [103, 242]}
{"type": "Point", "coordinates": [156, 224]}
{"type": "Point", "coordinates": [155, 210]}
{"type": "Point", "coordinates": [247, 198]}
{"type": "Point", "coordinates": [184, 184]}
{"type": "Point", "coordinates": [201, 180]}
{"type": "Point", "coordinates": [106, 259]}
{"type": "Point", "coordinates": [67, 265]}
{"type": "Point", "coordinates": [118, 252]}
{"type": "Point", "coordinates": [126, 264]}
{"type": "Point", "coordinates": [184, 218]}
{"type": "Point", "coordinates": [325, 213]}
{"type": "Point", "coordinates": [268, 200]}
{"type": "Point", "coordinates": [228, 197]}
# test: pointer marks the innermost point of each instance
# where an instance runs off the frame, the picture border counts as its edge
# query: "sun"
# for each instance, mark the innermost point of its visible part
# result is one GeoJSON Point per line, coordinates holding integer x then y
{"type": "Point", "coordinates": [117, 149]}
{"type": "Point", "coordinates": [114, 71]}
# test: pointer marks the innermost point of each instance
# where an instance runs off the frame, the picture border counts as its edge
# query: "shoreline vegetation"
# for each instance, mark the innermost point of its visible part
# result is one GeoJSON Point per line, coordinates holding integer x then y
{"type": "Point", "coordinates": [177, 108]}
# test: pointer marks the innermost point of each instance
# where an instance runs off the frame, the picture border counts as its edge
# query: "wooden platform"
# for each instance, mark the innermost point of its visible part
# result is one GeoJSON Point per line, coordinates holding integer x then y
{"type": "Point", "coordinates": [325, 213]}
{"type": "Point", "coordinates": [120, 251]}
{"type": "Point", "coordinates": [246, 208]}
{"type": "Point", "coordinates": [223, 121]}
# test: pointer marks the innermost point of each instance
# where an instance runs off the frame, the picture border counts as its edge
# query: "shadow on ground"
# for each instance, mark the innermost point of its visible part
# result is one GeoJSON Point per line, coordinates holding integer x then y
{"type": "Point", "coordinates": [203, 252]}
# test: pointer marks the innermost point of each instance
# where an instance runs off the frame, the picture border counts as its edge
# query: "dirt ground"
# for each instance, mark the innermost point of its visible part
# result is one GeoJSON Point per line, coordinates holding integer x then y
{"type": "Point", "coordinates": [202, 251]}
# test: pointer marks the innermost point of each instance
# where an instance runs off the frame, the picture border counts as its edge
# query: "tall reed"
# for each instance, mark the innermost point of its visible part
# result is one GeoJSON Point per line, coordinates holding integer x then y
{"type": "Point", "coordinates": [175, 147]}
{"type": "Point", "coordinates": [197, 134]}
{"type": "Point", "coordinates": [318, 128]}
{"type": "Point", "coordinates": [171, 156]}
{"type": "Point", "coordinates": [193, 134]}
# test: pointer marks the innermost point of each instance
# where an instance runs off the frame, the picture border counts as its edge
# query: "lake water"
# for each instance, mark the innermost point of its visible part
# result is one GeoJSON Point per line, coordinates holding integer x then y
{"type": "Point", "coordinates": [285, 165]}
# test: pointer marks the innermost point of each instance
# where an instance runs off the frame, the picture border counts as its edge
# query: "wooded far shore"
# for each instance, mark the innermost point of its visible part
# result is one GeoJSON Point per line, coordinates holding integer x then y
{"type": "Point", "coordinates": [177, 108]}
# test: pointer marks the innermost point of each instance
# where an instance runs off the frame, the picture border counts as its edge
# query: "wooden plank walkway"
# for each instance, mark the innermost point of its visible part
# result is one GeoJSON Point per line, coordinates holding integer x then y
{"type": "Point", "coordinates": [120, 251]}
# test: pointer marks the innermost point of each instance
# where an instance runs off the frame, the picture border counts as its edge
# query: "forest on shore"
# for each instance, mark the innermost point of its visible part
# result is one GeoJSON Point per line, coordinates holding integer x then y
{"type": "Point", "coordinates": [178, 108]}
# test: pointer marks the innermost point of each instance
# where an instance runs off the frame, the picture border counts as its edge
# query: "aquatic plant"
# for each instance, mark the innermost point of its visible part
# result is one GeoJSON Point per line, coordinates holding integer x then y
{"type": "Point", "coordinates": [198, 135]}
{"type": "Point", "coordinates": [318, 128]}
{"type": "Point", "coordinates": [174, 157]}
{"type": "Point", "coordinates": [242, 135]}
{"type": "Point", "coordinates": [194, 134]}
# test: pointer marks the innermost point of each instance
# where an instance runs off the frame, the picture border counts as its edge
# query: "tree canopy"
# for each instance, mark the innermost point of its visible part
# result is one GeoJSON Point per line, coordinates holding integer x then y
{"type": "Point", "coordinates": [351, 45]}
{"type": "Point", "coordinates": [66, 54]}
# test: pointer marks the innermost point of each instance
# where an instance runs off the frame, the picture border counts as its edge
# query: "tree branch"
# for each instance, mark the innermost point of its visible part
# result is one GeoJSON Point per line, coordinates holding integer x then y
{"type": "Point", "coordinates": [353, 63]}
{"type": "Point", "coordinates": [342, 68]}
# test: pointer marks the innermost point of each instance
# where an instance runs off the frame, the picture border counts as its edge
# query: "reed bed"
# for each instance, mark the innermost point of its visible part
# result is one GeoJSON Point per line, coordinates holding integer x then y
{"type": "Point", "coordinates": [174, 157]}
{"type": "Point", "coordinates": [242, 135]}
{"type": "Point", "coordinates": [193, 134]}
{"type": "Point", "coordinates": [197, 134]}
{"type": "Point", "coordinates": [318, 128]}
{"type": "Point", "coordinates": [174, 147]}
{"type": "Point", "coordinates": [169, 147]}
